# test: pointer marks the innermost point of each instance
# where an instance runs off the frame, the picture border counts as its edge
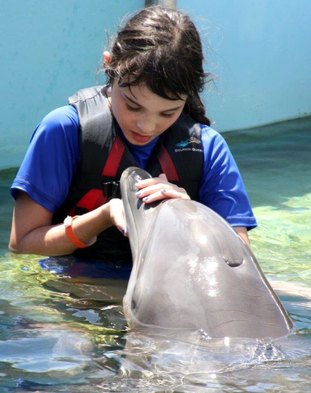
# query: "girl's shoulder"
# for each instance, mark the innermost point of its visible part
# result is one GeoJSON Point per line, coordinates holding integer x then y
{"type": "Point", "coordinates": [51, 159]}
{"type": "Point", "coordinates": [61, 124]}
{"type": "Point", "coordinates": [210, 133]}
{"type": "Point", "coordinates": [62, 117]}
{"type": "Point", "coordinates": [212, 139]}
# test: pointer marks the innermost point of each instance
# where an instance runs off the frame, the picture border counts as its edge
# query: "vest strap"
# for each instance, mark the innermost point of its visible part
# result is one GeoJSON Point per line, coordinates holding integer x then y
{"type": "Point", "coordinates": [114, 158]}
{"type": "Point", "coordinates": [167, 165]}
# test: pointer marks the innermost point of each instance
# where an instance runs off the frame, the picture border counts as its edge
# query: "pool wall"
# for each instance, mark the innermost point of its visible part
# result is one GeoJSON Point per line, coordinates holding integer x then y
{"type": "Point", "coordinates": [259, 52]}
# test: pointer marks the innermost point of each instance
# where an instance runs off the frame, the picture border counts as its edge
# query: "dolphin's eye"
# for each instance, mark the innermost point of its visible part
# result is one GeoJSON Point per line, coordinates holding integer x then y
{"type": "Point", "coordinates": [233, 263]}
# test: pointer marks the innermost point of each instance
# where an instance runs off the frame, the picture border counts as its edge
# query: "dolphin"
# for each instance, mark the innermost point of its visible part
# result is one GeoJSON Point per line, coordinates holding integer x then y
{"type": "Point", "coordinates": [191, 271]}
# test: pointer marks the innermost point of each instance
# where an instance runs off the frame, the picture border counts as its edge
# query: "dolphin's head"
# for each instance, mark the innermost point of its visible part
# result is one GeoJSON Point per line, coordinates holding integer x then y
{"type": "Point", "coordinates": [192, 271]}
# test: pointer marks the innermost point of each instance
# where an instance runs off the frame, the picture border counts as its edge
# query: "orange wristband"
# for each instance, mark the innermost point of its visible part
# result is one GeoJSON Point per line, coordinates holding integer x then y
{"type": "Point", "coordinates": [70, 233]}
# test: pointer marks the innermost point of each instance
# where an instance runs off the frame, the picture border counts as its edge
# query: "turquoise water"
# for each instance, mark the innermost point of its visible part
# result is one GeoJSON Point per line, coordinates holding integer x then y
{"type": "Point", "coordinates": [68, 334]}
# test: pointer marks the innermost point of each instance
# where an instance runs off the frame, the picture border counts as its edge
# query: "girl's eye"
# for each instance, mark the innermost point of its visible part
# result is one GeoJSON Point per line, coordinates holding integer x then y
{"type": "Point", "coordinates": [168, 114]}
{"type": "Point", "coordinates": [132, 108]}
{"type": "Point", "coordinates": [138, 108]}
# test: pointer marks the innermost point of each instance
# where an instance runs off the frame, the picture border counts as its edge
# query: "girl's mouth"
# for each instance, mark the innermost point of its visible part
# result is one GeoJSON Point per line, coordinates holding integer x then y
{"type": "Point", "coordinates": [141, 138]}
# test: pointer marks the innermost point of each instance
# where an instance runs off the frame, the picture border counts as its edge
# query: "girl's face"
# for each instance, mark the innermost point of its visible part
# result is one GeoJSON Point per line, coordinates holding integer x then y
{"type": "Point", "coordinates": [141, 114]}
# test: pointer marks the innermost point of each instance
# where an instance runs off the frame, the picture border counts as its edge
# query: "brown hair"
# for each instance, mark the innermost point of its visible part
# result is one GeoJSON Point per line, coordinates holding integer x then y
{"type": "Point", "coordinates": [161, 48]}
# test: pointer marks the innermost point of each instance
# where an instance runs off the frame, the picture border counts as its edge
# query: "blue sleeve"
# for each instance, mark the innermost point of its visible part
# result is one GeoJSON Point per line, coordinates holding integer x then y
{"type": "Point", "coordinates": [222, 188]}
{"type": "Point", "coordinates": [51, 159]}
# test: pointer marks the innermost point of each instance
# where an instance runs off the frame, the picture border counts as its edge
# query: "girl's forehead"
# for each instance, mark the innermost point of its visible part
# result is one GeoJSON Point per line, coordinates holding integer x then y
{"type": "Point", "coordinates": [142, 97]}
{"type": "Point", "coordinates": [142, 90]}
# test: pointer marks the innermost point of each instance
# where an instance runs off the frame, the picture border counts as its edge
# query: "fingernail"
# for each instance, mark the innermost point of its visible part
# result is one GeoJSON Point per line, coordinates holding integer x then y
{"type": "Point", "coordinates": [145, 199]}
{"type": "Point", "coordinates": [123, 230]}
{"type": "Point", "coordinates": [138, 193]}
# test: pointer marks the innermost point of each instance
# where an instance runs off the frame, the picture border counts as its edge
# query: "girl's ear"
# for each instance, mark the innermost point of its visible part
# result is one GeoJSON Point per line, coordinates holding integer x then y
{"type": "Point", "coordinates": [106, 58]}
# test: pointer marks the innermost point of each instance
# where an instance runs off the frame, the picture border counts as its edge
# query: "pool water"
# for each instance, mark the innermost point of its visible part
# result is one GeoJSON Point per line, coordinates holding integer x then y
{"type": "Point", "coordinates": [65, 332]}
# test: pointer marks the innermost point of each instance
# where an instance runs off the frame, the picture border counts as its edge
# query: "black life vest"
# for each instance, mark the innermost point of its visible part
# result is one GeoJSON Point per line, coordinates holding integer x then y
{"type": "Point", "coordinates": [104, 155]}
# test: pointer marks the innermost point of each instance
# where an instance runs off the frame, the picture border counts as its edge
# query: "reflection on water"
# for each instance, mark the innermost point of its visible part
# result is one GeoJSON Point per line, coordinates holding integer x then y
{"type": "Point", "coordinates": [68, 334]}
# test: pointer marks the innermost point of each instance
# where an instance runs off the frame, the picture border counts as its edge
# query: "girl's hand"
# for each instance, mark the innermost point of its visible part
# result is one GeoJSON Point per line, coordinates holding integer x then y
{"type": "Point", "coordinates": [158, 188]}
{"type": "Point", "coordinates": [117, 215]}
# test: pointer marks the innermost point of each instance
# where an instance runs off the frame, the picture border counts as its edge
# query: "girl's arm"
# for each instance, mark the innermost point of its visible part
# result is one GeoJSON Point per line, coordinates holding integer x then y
{"type": "Point", "coordinates": [242, 232]}
{"type": "Point", "coordinates": [32, 231]}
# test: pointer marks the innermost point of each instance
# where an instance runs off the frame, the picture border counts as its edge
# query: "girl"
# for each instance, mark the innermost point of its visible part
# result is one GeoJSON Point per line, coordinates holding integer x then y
{"type": "Point", "coordinates": [149, 115]}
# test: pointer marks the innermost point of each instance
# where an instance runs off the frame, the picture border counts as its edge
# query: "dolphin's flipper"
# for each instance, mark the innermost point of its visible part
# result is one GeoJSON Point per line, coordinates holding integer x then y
{"type": "Point", "coordinates": [192, 271]}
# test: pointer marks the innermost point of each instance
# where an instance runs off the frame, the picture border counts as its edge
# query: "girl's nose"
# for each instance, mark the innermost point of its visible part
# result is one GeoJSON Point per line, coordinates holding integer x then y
{"type": "Point", "coordinates": [146, 125]}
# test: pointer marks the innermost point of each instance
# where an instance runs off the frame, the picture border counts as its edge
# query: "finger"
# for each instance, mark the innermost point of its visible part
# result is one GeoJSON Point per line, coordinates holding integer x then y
{"type": "Point", "coordinates": [164, 193]}
{"type": "Point", "coordinates": [146, 183]}
{"type": "Point", "coordinates": [163, 176]}
{"type": "Point", "coordinates": [151, 189]}
{"type": "Point", "coordinates": [167, 190]}
{"type": "Point", "coordinates": [174, 193]}
{"type": "Point", "coordinates": [152, 181]}
{"type": "Point", "coordinates": [117, 215]}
